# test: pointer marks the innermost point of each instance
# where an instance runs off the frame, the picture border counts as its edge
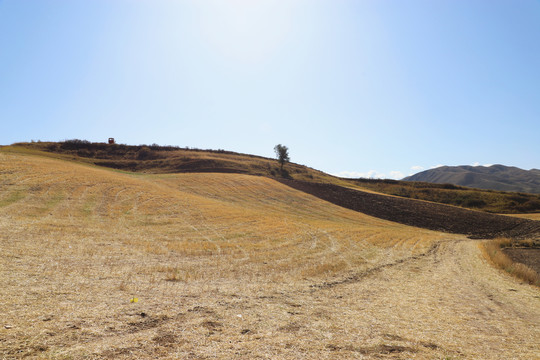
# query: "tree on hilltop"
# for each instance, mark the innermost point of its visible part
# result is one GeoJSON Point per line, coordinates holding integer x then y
{"type": "Point", "coordinates": [282, 154]}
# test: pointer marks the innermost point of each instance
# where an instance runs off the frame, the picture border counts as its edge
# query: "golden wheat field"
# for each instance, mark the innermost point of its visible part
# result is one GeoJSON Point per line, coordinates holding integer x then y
{"type": "Point", "coordinates": [102, 264]}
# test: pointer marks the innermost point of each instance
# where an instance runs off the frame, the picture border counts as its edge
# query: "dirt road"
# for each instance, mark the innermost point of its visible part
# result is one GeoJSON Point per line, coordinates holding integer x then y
{"type": "Point", "coordinates": [446, 304]}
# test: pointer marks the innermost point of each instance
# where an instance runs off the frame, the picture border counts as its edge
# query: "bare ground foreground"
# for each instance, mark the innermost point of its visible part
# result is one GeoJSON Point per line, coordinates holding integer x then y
{"type": "Point", "coordinates": [99, 264]}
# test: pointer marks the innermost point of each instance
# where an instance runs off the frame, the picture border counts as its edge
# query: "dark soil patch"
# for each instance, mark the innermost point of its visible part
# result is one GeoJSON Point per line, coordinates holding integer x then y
{"type": "Point", "coordinates": [373, 350]}
{"type": "Point", "coordinates": [148, 323]}
{"type": "Point", "coordinates": [527, 256]}
{"type": "Point", "coordinates": [117, 352]}
{"type": "Point", "coordinates": [422, 214]}
{"type": "Point", "coordinates": [166, 339]}
{"type": "Point", "coordinates": [212, 325]}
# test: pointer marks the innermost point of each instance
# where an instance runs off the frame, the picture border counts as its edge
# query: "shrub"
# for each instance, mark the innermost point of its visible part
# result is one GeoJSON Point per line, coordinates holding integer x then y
{"type": "Point", "coordinates": [474, 203]}
{"type": "Point", "coordinates": [145, 153]}
{"type": "Point", "coordinates": [85, 153]}
{"type": "Point", "coordinates": [75, 144]}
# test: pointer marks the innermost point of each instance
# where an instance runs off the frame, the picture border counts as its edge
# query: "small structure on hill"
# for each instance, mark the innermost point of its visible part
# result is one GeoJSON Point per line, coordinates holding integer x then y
{"type": "Point", "coordinates": [111, 140]}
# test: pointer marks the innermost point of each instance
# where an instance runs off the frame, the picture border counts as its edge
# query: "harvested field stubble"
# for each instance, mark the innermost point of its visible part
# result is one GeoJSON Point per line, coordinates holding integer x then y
{"type": "Point", "coordinates": [235, 266]}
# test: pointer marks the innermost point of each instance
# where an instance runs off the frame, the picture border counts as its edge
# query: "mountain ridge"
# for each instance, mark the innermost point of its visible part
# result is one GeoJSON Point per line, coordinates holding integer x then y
{"type": "Point", "coordinates": [495, 177]}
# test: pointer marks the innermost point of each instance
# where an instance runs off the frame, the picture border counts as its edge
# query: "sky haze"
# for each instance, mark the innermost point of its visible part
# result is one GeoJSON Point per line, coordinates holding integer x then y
{"type": "Point", "coordinates": [353, 88]}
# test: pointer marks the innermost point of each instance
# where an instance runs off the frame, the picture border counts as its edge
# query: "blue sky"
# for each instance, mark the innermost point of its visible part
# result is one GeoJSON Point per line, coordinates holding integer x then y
{"type": "Point", "coordinates": [360, 88]}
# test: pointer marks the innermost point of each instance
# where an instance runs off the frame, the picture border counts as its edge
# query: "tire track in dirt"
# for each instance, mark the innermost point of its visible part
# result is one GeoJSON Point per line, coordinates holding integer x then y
{"type": "Point", "coordinates": [371, 271]}
{"type": "Point", "coordinates": [449, 297]}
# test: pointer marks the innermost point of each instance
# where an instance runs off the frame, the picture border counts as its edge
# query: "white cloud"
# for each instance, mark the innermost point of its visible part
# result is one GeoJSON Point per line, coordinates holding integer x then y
{"type": "Point", "coordinates": [417, 168]}
{"type": "Point", "coordinates": [357, 174]}
{"type": "Point", "coordinates": [371, 174]}
{"type": "Point", "coordinates": [349, 174]}
{"type": "Point", "coordinates": [478, 164]}
{"type": "Point", "coordinates": [375, 174]}
{"type": "Point", "coordinates": [396, 175]}
{"type": "Point", "coordinates": [436, 166]}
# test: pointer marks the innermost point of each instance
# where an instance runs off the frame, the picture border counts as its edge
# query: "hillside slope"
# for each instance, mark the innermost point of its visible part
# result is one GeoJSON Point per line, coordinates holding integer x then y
{"type": "Point", "coordinates": [422, 214]}
{"type": "Point", "coordinates": [102, 264]}
{"type": "Point", "coordinates": [168, 159]}
{"type": "Point", "coordinates": [495, 177]}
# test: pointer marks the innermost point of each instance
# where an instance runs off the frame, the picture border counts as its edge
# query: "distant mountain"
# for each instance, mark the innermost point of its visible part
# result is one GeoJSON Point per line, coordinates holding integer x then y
{"type": "Point", "coordinates": [495, 177]}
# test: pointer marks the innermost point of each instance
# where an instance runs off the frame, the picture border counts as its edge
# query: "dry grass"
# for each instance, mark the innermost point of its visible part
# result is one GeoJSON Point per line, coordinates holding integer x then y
{"type": "Point", "coordinates": [477, 199]}
{"type": "Point", "coordinates": [493, 250]}
{"type": "Point", "coordinates": [527, 216]}
{"type": "Point", "coordinates": [172, 160]}
{"type": "Point", "coordinates": [158, 159]}
{"type": "Point", "coordinates": [222, 265]}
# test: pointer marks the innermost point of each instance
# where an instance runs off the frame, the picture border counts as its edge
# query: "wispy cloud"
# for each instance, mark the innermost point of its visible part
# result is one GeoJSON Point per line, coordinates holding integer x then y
{"type": "Point", "coordinates": [417, 168]}
{"type": "Point", "coordinates": [371, 174]}
{"type": "Point", "coordinates": [478, 164]}
{"type": "Point", "coordinates": [396, 175]}
{"type": "Point", "coordinates": [357, 174]}
{"type": "Point", "coordinates": [436, 166]}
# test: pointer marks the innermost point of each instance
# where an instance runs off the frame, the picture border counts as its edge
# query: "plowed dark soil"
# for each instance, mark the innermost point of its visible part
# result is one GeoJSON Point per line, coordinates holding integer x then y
{"type": "Point", "coordinates": [423, 214]}
{"type": "Point", "coordinates": [527, 256]}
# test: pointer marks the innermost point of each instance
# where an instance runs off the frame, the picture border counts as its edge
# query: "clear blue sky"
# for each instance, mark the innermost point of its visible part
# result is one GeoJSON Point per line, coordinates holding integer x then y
{"type": "Point", "coordinates": [365, 88]}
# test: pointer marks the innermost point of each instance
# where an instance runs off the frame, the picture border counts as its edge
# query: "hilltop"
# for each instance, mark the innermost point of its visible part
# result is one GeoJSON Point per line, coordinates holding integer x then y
{"type": "Point", "coordinates": [495, 177]}
{"type": "Point", "coordinates": [158, 159]}
{"type": "Point", "coordinates": [352, 194]}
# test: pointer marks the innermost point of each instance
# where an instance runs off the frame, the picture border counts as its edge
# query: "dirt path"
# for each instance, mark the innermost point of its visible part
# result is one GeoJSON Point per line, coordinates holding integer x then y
{"type": "Point", "coordinates": [448, 303]}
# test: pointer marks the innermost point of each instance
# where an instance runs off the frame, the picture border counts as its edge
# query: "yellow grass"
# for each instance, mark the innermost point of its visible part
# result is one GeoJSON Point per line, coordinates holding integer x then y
{"type": "Point", "coordinates": [169, 161]}
{"type": "Point", "coordinates": [222, 266]}
{"type": "Point", "coordinates": [527, 216]}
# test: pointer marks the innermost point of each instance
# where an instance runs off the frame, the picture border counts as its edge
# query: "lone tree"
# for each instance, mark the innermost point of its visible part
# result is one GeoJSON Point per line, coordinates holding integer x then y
{"type": "Point", "coordinates": [282, 154]}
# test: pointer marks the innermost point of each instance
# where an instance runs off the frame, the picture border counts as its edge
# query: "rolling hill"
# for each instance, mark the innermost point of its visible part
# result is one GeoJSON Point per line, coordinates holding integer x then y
{"type": "Point", "coordinates": [495, 177]}
{"type": "Point", "coordinates": [172, 159]}
{"type": "Point", "coordinates": [101, 263]}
